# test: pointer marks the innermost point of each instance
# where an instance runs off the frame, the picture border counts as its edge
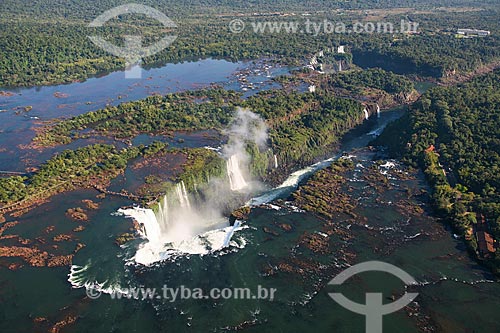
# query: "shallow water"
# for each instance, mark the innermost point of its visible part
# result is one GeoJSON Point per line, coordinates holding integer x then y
{"type": "Point", "coordinates": [49, 102]}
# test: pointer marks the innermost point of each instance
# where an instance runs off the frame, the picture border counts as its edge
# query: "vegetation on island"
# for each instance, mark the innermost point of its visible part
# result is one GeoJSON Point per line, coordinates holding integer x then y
{"type": "Point", "coordinates": [301, 125]}
{"type": "Point", "coordinates": [322, 193]}
{"type": "Point", "coordinates": [375, 78]}
{"type": "Point", "coordinates": [95, 165]}
{"type": "Point", "coordinates": [191, 110]}
{"type": "Point", "coordinates": [63, 172]}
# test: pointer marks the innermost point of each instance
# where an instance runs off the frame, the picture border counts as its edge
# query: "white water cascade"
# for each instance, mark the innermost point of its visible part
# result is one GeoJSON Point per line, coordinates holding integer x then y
{"type": "Point", "coordinates": [182, 195]}
{"type": "Point", "coordinates": [184, 224]}
{"type": "Point", "coordinates": [378, 111]}
{"type": "Point", "coordinates": [234, 173]}
{"type": "Point", "coordinates": [340, 65]}
{"type": "Point", "coordinates": [366, 113]}
{"type": "Point", "coordinates": [178, 227]}
{"type": "Point", "coordinates": [275, 161]}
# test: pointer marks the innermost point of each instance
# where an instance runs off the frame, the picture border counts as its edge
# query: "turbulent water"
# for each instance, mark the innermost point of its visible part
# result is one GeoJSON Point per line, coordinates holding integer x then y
{"type": "Point", "coordinates": [187, 225]}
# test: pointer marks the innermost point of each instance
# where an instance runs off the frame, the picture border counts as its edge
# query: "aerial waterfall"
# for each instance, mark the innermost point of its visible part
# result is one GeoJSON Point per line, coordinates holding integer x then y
{"type": "Point", "coordinates": [184, 223]}
{"type": "Point", "coordinates": [275, 161]}
{"type": "Point", "coordinates": [182, 195]}
{"type": "Point", "coordinates": [236, 180]}
{"type": "Point", "coordinates": [366, 113]}
{"type": "Point", "coordinates": [378, 111]}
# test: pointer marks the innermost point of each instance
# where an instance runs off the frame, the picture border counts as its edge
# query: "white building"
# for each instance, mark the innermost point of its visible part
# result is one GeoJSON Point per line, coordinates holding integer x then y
{"type": "Point", "coordinates": [473, 32]}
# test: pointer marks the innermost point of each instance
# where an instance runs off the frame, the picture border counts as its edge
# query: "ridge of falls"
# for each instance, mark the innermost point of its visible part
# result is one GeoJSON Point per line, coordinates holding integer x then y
{"type": "Point", "coordinates": [236, 180]}
{"type": "Point", "coordinates": [187, 224]}
{"type": "Point", "coordinates": [182, 226]}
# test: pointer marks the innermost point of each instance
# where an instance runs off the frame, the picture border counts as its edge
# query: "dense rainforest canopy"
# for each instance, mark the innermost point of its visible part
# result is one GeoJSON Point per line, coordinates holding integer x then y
{"type": "Point", "coordinates": [453, 133]}
{"type": "Point", "coordinates": [44, 43]}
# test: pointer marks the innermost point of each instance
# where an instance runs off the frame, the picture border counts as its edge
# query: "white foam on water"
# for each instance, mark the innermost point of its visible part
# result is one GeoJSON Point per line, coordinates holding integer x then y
{"type": "Point", "coordinates": [290, 183]}
{"type": "Point", "coordinates": [202, 244]}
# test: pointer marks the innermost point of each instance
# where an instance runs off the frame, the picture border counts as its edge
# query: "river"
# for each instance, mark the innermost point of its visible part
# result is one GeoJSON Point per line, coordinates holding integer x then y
{"type": "Point", "coordinates": [455, 294]}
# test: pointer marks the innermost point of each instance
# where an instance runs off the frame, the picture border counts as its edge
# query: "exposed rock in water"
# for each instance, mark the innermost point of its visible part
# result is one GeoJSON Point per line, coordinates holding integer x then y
{"type": "Point", "coordinates": [70, 319]}
{"type": "Point", "coordinates": [6, 94]}
{"type": "Point", "coordinates": [124, 238]}
{"type": "Point", "coordinates": [90, 204]}
{"type": "Point", "coordinates": [77, 214]}
{"type": "Point", "coordinates": [59, 261]}
{"type": "Point", "coordinates": [285, 227]}
{"type": "Point", "coordinates": [316, 243]}
{"type": "Point", "coordinates": [62, 238]}
{"type": "Point", "coordinates": [239, 214]}
{"type": "Point", "coordinates": [270, 231]}
{"type": "Point", "coordinates": [32, 256]}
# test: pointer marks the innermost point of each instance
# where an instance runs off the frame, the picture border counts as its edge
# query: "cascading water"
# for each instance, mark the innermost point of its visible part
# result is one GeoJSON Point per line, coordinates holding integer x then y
{"type": "Point", "coordinates": [366, 113]}
{"type": "Point", "coordinates": [236, 180]}
{"type": "Point", "coordinates": [182, 195]}
{"type": "Point", "coordinates": [180, 227]}
{"type": "Point", "coordinates": [275, 161]}
{"type": "Point", "coordinates": [183, 225]}
{"type": "Point", "coordinates": [378, 111]}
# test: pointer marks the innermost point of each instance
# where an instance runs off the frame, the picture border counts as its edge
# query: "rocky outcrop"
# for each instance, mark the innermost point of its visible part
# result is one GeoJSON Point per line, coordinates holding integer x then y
{"type": "Point", "coordinates": [239, 214]}
{"type": "Point", "coordinates": [90, 204]}
{"type": "Point", "coordinates": [70, 319]}
{"type": "Point", "coordinates": [124, 238]}
{"type": "Point", "coordinates": [77, 214]}
{"type": "Point", "coordinates": [59, 261]}
{"type": "Point", "coordinates": [32, 256]}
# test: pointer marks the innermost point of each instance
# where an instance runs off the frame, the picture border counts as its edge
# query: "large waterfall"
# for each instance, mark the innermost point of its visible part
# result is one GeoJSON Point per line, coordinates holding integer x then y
{"type": "Point", "coordinates": [234, 173]}
{"type": "Point", "coordinates": [185, 224]}
{"type": "Point", "coordinates": [180, 226]}
{"type": "Point", "coordinates": [378, 111]}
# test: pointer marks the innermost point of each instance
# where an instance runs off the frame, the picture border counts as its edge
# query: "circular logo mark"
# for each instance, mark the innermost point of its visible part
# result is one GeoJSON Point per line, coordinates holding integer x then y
{"type": "Point", "coordinates": [93, 292]}
{"type": "Point", "coordinates": [236, 26]}
{"type": "Point", "coordinates": [133, 51]}
{"type": "Point", "coordinates": [374, 309]}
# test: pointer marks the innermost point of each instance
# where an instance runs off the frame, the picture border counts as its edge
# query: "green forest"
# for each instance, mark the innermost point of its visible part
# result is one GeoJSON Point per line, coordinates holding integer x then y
{"type": "Point", "coordinates": [61, 171]}
{"type": "Point", "coordinates": [301, 124]}
{"type": "Point", "coordinates": [375, 78]}
{"type": "Point", "coordinates": [55, 49]}
{"type": "Point", "coordinates": [453, 135]}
